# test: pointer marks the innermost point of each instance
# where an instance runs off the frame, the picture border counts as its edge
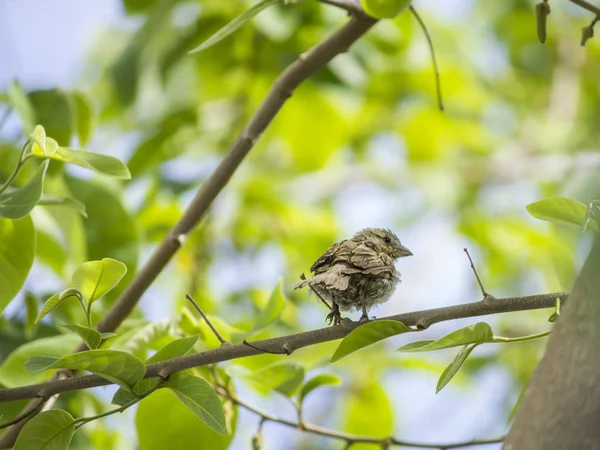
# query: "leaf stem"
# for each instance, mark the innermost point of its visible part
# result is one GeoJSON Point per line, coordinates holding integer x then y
{"type": "Point", "coordinates": [22, 158]}
{"type": "Point", "coordinates": [83, 420]}
{"type": "Point", "coordinates": [531, 337]}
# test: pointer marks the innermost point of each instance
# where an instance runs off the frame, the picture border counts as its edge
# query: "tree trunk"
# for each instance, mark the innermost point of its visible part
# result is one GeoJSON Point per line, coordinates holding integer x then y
{"type": "Point", "coordinates": [561, 406]}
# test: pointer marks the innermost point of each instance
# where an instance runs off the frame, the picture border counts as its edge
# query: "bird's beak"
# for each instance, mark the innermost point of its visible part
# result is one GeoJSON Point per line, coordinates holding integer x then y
{"type": "Point", "coordinates": [404, 251]}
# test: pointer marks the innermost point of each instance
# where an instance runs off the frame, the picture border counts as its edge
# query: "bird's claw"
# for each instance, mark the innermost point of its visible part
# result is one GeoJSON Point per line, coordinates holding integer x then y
{"type": "Point", "coordinates": [364, 319]}
{"type": "Point", "coordinates": [334, 317]}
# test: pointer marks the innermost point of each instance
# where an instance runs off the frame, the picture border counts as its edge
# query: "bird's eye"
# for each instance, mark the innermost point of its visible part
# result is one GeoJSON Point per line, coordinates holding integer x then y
{"type": "Point", "coordinates": [387, 240]}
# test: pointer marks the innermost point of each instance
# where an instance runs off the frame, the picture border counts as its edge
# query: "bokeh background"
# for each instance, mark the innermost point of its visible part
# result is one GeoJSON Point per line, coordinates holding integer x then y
{"type": "Point", "coordinates": [360, 144]}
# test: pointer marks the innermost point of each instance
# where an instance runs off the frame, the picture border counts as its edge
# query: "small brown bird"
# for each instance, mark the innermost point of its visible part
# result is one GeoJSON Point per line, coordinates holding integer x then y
{"type": "Point", "coordinates": [357, 272]}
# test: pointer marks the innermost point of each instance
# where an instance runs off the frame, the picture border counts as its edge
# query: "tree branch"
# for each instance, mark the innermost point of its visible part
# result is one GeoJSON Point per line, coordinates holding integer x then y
{"type": "Point", "coordinates": [349, 438]}
{"type": "Point", "coordinates": [422, 319]}
{"type": "Point", "coordinates": [283, 87]}
{"type": "Point", "coordinates": [560, 409]}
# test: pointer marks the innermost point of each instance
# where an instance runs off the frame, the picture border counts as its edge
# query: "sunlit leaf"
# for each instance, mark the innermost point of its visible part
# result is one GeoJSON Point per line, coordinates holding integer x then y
{"type": "Point", "coordinates": [471, 334]}
{"type": "Point", "coordinates": [561, 210]}
{"type": "Point", "coordinates": [17, 251]}
{"type": "Point", "coordinates": [54, 112]}
{"type": "Point", "coordinates": [282, 377]}
{"type": "Point", "coordinates": [110, 230]}
{"type": "Point", "coordinates": [384, 9]}
{"type": "Point", "coordinates": [47, 147]}
{"type": "Point", "coordinates": [119, 367]}
{"type": "Point", "coordinates": [66, 202]}
{"type": "Point", "coordinates": [367, 334]}
{"type": "Point", "coordinates": [454, 366]}
{"type": "Point", "coordinates": [49, 430]}
{"type": "Point", "coordinates": [18, 203]}
{"type": "Point", "coordinates": [174, 349]}
{"type": "Point", "coordinates": [96, 278]}
{"type": "Point", "coordinates": [12, 370]}
{"type": "Point", "coordinates": [85, 117]}
{"type": "Point", "coordinates": [56, 300]}
{"type": "Point", "coordinates": [236, 23]}
{"type": "Point", "coordinates": [273, 309]}
{"type": "Point", "coordinates": [200, 398]}
{"type": "Point", "coordinates": [183, 428]}
{"type": "Point", "coordinates": [324, 379]}
{"type": "Point", "coordinates": [91, 337]}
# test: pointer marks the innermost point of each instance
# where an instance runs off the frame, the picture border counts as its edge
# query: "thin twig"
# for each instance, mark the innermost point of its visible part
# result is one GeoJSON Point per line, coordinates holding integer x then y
{"type": "Point", "coordinates": [291, 343]}
{"type": "Point", "coordinates": [483, 291]}
{"type": "Point", "coordinates": [438, 82]}
{"type": "Point", "coordinates": [31, 408]}
{"type": "Point", "coordinates": [585, 5]}
{"type": "Point", "coordinates": [214, 330]}
{"type": "Point", "coordinates": [283, 351]}
{"type": "Point", "coordinates": [349, 438]}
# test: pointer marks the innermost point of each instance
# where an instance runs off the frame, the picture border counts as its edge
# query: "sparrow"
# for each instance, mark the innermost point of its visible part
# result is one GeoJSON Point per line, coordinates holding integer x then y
{"type": "Point", "coordinates": [357, 273]}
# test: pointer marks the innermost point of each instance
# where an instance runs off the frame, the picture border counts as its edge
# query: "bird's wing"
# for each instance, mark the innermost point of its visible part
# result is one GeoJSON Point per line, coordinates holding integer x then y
{"type": "Point", "coordinates": [326, 259]}
{"type": "Point", "coordinates": [368, 261]}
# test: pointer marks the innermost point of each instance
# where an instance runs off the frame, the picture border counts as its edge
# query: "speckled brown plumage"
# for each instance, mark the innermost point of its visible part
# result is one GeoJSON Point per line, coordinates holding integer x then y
{"type": "Point", "coordinates": [357, 273]}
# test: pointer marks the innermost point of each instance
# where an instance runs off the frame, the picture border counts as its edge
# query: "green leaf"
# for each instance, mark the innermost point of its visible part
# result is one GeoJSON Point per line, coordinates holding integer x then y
{"type": "Point", "coordinates": [54, 112]}
{"type": "Point", "coordinates": [12, 369]}
{"type": "Point", "coordinates": [367, 410]}
{"type": "Point", "coordinates": [200, 398]}
{"type": "Point", "coordinates": [590, 213]}
{"type": "Point", "coordinates": [17, 252]}
{"type": "Point", "coordinates": [384, 9]}
{"type": "Point", "coordinates": [282, 377]}
{"type": "Point", "coordinates": [106, 164]}
{"type": "Point", "coordinates": [471, 334]}
{"type": "Point", "coordinates": [110, 230]}
{"type": "Point", "coordinates": [85, 116]}
{"type": "Point", "coordinates": [31, 306]}
{"type": "Point", "coordinates": [38, 364]}
{"type": "Point", "coordinates": [49, 430]}
{"type": "Point", "coordinates": [273, 309]}
{"type": "Point", "coordinates": [46, 147]}
{"type": "Point", "coordinates": [18, 203]}
{"type": "Point", "coordinates": [561, 210]}
{"type": "Point", "coordinates": [454, 366]}
{"type": "Point", "coordinates": [174, 349]}
{"type": "Point", "coordinates": [119, 367]}
{"type": "Point", "coordinates": [324, 379]}
{"type": "Point", "coordinates": [56, 300]}
{"type": "Point", "coordinates": [183, 428]}
{"type": "Point", "coordinates": [236, 23]}
{"type": "Point", "coordinates": [91, 337]}
{"type": "Point", "coordinates": [66, 202]}
{"type": "Point", "coordinates": [20, 102]}
{"type": "Point", "coordinates": [367, 334]}
{"type": "Point", "coordinates": [96, 278]}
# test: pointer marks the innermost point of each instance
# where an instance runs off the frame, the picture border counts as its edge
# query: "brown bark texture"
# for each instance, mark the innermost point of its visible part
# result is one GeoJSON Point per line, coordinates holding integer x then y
{"type": "Point", "coordinates": [561, 406]}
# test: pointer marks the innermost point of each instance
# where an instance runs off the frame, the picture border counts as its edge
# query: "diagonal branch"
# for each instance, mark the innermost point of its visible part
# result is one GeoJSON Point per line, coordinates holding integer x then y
{"type": "Point", "coordinates": [287, 344]}
{"type": "Point", "coordinates": [283, 87]}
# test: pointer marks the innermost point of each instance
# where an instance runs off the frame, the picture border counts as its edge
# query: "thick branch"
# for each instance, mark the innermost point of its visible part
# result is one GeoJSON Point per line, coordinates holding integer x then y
{"type": "Point", "coordinates": [287, 344]}
{"type": "Point", "coordinates": [561, 406]}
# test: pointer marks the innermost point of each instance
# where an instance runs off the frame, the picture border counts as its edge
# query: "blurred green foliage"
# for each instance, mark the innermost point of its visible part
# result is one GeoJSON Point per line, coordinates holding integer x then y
{"type": "Point", "coordinates": [517, 128]}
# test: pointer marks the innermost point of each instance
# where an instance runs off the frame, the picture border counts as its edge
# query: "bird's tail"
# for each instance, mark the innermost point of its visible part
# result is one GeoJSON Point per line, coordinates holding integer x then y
{"type": "Point", "coordinates": [305, 282]}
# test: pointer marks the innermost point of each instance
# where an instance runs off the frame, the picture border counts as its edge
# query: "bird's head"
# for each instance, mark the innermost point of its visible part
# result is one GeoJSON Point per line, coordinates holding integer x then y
{"type": "Point", "coordinates": [383, 240]}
